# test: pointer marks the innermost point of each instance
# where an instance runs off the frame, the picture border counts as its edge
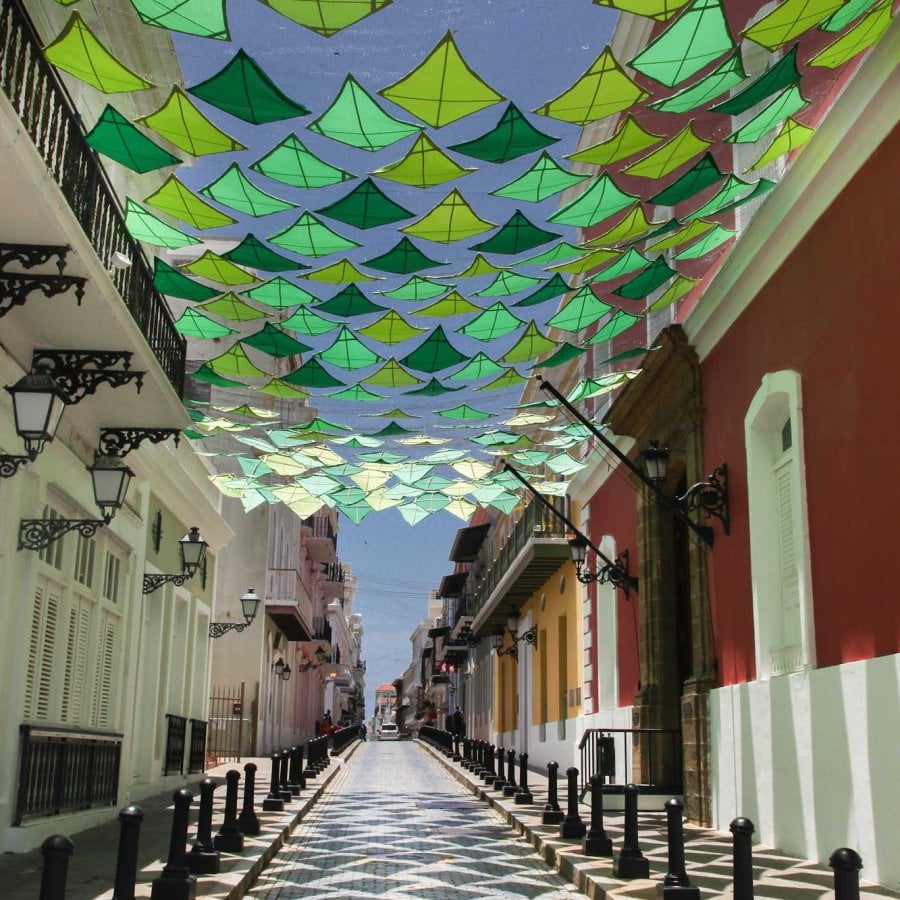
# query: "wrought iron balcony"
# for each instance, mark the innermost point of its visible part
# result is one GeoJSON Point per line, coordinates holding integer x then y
{"type": "Point", "coordinates": [48, 116]}
{"type": "Point", "coordinates": [321, 538]}
{"type": "Point", "coordinates": [288, 604]}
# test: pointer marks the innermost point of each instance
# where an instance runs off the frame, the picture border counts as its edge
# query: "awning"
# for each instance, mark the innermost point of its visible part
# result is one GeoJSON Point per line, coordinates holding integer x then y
{"type": "Point", "coordinates": [452, 585]}
{"type": "Point", "coordinates": [287, 620]}
{"type": "Point", "coordinates": [468, 542]}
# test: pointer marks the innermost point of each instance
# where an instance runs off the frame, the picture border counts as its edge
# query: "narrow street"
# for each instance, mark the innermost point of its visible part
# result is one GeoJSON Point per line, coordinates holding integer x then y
{"type": "Point", "coordinates": [394, 824]}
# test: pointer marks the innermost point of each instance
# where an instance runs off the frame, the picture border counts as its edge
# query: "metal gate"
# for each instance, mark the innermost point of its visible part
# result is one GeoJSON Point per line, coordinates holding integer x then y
{"type": "Point", "coordinates": [226, 724]}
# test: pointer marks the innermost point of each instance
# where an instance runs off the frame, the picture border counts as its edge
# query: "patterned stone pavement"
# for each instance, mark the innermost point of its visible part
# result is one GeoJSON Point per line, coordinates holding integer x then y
{"type": "Point", "coordinates": [395, 824]}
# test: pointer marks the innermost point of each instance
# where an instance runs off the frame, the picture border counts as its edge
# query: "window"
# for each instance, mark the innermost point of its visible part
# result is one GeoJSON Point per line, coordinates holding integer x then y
{"type": "Point", "coordinates": [84, 560]}
{"type": "Point", "coordinates": [779, 538]}
{"type": "Point", "coordinates": [45, 613]}
{"type": "Point", "coordinates": [53, 554]}
{"type": "Point", "coordinates": [607, 636]}
{"type": "Point", "coordinates": [112, 577]}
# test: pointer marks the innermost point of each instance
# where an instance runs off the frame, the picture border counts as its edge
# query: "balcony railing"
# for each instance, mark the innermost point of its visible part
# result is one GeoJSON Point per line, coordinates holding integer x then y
{"type": "Point", "coordinates": [321, 527]}
{"type": "Point", "coordinates": [321, 629]}
{"type": "Point", "coordinates": [65, 769]}
{"type": "Point", "coordinates": [176, 734]}
{"type": "Point", "coordinates": [197, 753]}
{"type": "Point", "coordinates": [648, 757]}
{"type": "Point", "coordinates": [50, 119]}
{"type": "Point", "coordinates": [536, 522]}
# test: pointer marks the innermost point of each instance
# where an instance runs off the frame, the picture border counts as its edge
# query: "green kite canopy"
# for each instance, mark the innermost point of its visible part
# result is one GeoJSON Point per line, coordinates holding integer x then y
{"type": "Point", "coordinates": [453, 304]}
{"type": "Point", "coordinates": [494, 322]}
{"type": "Point", "coordinates": [326, 17]}
{"type": "Point", "coordinates": [312, 374]}
{"type": "Point", "coordinates": [234, 190]}
{"type": "Point", "coordinates": [516, 236]}
{"type": "Point", "coordinates": [555, 287]}
{"type": "Point", "coordinates": [530, 345]}
{"type": "Point", "coordinates": [733, 189]}
{"type": "Point", "coordinates": [723, 78]}
{"type": "Point", "coordinates": [365, 206]}
{"type": "Point", "coordinates": [180, 122]}
{"type": "Point", "coordinates": [676, 151]}
{"type": "Point", "coordinates": [633, 226]}
{"type": "Point", "coordinates": [195, 324]}
{"type": "Point", "coordinates": [305, 321]}
{"type": "Point", "coordinates": [557, 253]}
{"type": "Point", "coordinates": [630, 138]}
{"type": "Point", "coordinates": [391, 328]}
{"type": "Point", "coordinates": [357, 393]}
{"type": "Point", "coordinates": [628, 262]}
{"type": "Point", "coordinates": [349, 352]}
{"type": "Point", "coordinates": [679, 288]}
{"type": "Point", "coordinates": [309, 236]}
{"type": "Point", "coordinates": [602, 91]}
{"type": "Point", "coordinates": [235, 361]}
{"type": "Point", "coordinates": [204, 18]}
{"type": "Point", "coordinates": [713, 240]}
{"type": "Point", "coordinates": [507, 283]}
{"type": "Point", "coordinates": [579, 311]}
{"type": "Point", "coordinates": [434, 353]}
{"type": "Point", "coordinates": [402, 259]}
{"type": "Point", "coordinates": [275, 342]}
{"type": "Point", "coordinates": [689, 232]}
{"type": "Point", "coordinates": [478, 367]}
{"type": "Point", "coordinates": [341, 272]}
{"type": "Point", "coordinates": [205, 373]}
{"type": "Point", "coordinates": [653, 277]}
{"type": "Point", "coordinates": [698, 36]}
{"type": "Point", "coordinates": [348, 303]}
{"type": "Point", "coordinates": [114, 136]}
{"type": "Point", "coordinates": [513, 136]}
{"type": "Point", "coordinates": [450, 220]}
{"type": "Point", "coordinates": [791, 137]}
{"type": "Point", "coordinates": [393, 375]}
{"type": "Point", "coordinates": [144, 226]}
{"type": "Point", "coordinates": [280, 293]}
{"type": "Point", "coordinates": [464, 413]}
{"type": "Point", "coordinates": [789, 20]}
{"type": "Point", "coordinates": [586, 263]}
{"type": "Point", "coordinates": [230, 306]}
{"type": "Point", "coordinates": [784, 105]}
{"type": "Point", "coordinates": [168, 280]}
{"type": "Point", "coordinates": [442, 88]}
{"type": "Point", "coordinates": [174, 198]}
{"type": "Point", "coordinates": [214, 267]}
{"type": "Point", "coordinates": [77, 51]}
{"type": "Point", "coordinates": [434, 389]}
{"type": "Point", "coordinates": [775, 79]}
{"type": "Point", "coordinates": [291, 163]}
{"type": "Point", "coordinates": [243, 89]}
{"type": "Point", "coordinates": [565, 352]}
{"type": "Point", "coordinates": [544, 179]}
{"type": "Point", "coordinates": [355, 118]}
{"type": "Point", "coordinates": [478, 266]}
{"type": "Point", "coordinates": [416, 288]}
{"type": "Point", "coordinates": [601, 199]}
{"type": "Point", "coordinates": [621, 321]}
{"type": "Point", "coordinates": [700, 176]}
{"type": "Point", "coordinates": [424, 165]}
{"type": "Point", "coordinates": [277, 388]}
{"type": "Point", "coordinates": [839, 20]}
{"type": "Point", "coordinates": [254, 254]}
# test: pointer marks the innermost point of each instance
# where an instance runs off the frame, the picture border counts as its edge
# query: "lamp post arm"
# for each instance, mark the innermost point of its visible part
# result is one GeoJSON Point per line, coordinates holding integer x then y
{"type": "Point", "coordinates": [561, 516]}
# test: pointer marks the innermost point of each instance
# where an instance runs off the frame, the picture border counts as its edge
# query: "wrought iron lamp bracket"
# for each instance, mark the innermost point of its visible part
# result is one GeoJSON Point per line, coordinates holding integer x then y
{"type": "Point", "coordinates": [121, 441]}
{"type": "Point", "coordinates": [9, 464]}
{"type": "Point", "coordinates": [615, 573]}
{"type": "Point", "coordinates": [512, 650]}
{"type": "Point", "coordinates": [80, 372]}
{"type": "Point", "coordinates": [530, 637]}
{"type": "Point", "coordinates": [217, 629]}
{"type": "Point", "coordinates": [711, 496]}
{"type": "Point", "coordinates": [154, 581]}
{"type": "Point", "coordinates": [38, 534]}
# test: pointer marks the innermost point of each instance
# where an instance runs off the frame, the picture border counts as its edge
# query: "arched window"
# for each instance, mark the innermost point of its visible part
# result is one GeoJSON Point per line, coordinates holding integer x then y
{"type": "Point", "coordinates": [779, 531]}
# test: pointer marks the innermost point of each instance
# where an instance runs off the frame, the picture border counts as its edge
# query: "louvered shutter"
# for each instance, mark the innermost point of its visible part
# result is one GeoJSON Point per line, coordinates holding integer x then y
{"type": "Point", "coordinates": [105, 665]}
{"type": "Point", "coordinates": [787, 555]}
{"type": "Point", "coordinates": [75, 675]}
{"type": "Point", "coordinates": [41, 651]}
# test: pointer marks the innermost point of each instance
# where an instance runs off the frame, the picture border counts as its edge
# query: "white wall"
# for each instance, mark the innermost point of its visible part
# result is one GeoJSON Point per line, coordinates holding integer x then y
{"type": "Point", "coordinates": [813, 758]}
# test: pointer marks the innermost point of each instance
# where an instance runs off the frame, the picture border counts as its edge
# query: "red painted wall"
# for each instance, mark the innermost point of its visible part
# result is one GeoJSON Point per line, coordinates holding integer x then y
{"type": "Point", "coordinates": [612, 511]}
{"type": "Point", "coordinates": [830, 313]}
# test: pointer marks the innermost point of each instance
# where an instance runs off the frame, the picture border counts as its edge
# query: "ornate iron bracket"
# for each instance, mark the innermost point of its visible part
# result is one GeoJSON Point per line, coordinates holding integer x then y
{"type": "Point", "coordinates": [15, 288]}
{"type": "Point", "coordinates": [615, 573]}
{"type": "Point", "coordinates": [512, 650]}
{"type": "Point", "coordinates": [38, 534]}
{"type": "Point", "coordinates": [530, 636]}
{"type": "Point", "coordinates": [9, 464]}
{"type": "Point", "coordinates": [121, 441]}
{"type": "Point", "coordinates": [711, 496]}
{"type": "Point", "coordinates": [80, 372]}
{"type": "Point", "coordinates": [153, 582]}
{"type": "Point", "coordinates": [30, 255]}
{"type": "Point", "coordinates": [217, 629]}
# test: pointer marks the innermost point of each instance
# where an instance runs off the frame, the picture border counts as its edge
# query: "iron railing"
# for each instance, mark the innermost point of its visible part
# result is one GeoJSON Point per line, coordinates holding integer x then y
{"type": "Point", "coordinates": [176, 735]}
{"type": "Point", "coordinates": [66, 769]}
{"type": "Point", "coordinates": [536, 521]}
{"type": "Point", "coordinates": [197, 751]}
{"type": "Point", "coordinates": [227, 719]}
{"type": "Point", "coordinates": [648, 757]}
{"type": "Point", "coordinates": [321, 527]}
{"type": "Point", "coordinates": [333, 571]}
{"type": "Point", "coordinates": [43, 104]}
{"type": "Point", "coordinates": [321, 629]}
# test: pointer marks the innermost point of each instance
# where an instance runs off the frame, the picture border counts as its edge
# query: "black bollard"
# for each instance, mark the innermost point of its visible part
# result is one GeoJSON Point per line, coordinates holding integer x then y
{"type": "Point", "coordinates": [130, 819]}
{"type": "Point", "coordinates": [478, 768]}
{"type": "Point", "coordinates": [523, 795]}
{"type": "Point", "coordinates": [552, 814]}
{"type": "Point", "coordinates": [230, 838]}
{"type": "Point", "coordinates": [273, 801]}
{"type": "Point", "coordinates": [294, 775]}
{"type": "Point", "coordinates": [176, 881]}
{"type": "Point", "coordinates": [310, 771]}
{"type": "Point", "coordinates": [489, 775]}
{"type": "Point", "coordinates": [596, 842]}
{"type": "Point", "coordinates": [457, 756]}
{"type": "Point", "coordinates": [572, 825]}
{"type": "Point", "coordinates": [511, 787]}
{"type": "Point", "coordinates": [846, 864]}
{"type": "Point", "coordinates": [204, 857]}
{"type": "Point", "coordinates": [283, 785]}
{"type": "Point", "coordinates": [56, 851]}
{"type": "Point", "coordinates": [742, 858]}
{"type": "Point", "coordinates": [248, 820]}
{"type": "Point", "coordinates": [676, 883]}
{"type": "Point", "coordinates": [500, 780]}
{"type": "Point", "coordinates": [297, 768]}
{"type": "Point", "coordinates": [631, 863]}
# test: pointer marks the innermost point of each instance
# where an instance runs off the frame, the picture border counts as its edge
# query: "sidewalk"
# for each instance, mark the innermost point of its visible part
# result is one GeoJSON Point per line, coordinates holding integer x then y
{"type": "Point", "coordinates": [777, 876]}
{"type": "Point", "coordinates": [93, 865]}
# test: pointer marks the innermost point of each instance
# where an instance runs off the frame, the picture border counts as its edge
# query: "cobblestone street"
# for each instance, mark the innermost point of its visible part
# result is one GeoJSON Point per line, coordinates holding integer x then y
{"type": "Point", "coordinates": [394, 824]}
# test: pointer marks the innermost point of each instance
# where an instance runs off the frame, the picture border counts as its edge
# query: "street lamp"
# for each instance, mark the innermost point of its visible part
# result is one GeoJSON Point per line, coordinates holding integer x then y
{"type": "Point", "coordinates": [285, 673]}
{"type": "Point", "coordinates": [278, 667]}
{"type": "Point", "coordinates": [249, 607]}
{"type": "Point", "coordinates": [110, 477]}
{"type": "Point", "coordinates": [38, 405]}
{"type": "Point", "coordinates": [192, 548]}
{"type": "Point", "coordinates": [614, 572]}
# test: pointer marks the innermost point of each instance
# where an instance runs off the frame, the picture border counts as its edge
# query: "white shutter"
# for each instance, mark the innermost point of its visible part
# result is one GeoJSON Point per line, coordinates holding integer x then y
{"type": "Point", "coordinates": [75, 675]}
{"type": "Point", "coordinates": [786, 644]}
{"type": "Point", "coordinates": [104, 672]}
{"type": "Point", "coordinates": [41, 651]}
